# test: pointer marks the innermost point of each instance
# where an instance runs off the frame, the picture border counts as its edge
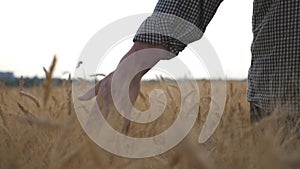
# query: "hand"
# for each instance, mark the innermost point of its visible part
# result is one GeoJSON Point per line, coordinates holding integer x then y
{"type": "Point", "coordinates": [103, 88]}
{"type": "Point", "coordinates": [104, 97]}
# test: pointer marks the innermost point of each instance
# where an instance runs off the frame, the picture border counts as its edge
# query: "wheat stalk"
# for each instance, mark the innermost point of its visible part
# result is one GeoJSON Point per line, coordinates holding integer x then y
{"type": "Point", "coordinates": [28, 95]}
{"type": "Point", "coordinates": [69, 93]}
{"type": "Point", "coordinates": [31, 118]}
{"type": "Point", "coordinates": [21, 83]}
{"type": "Point", "coordinates": [98, 74]}
{"type": "Point", "coordinates": [25, 111]}
{"type": "Point", "coordinates": [162, 78]}
{"type": "Point", "coordinates": [78, 64]}
{"type": "Point", "coordinates": [31, 97]}
{"type": "Point", "coordinates": [47, 82]}
{"type": "Point", "coordinates": [3, 122]}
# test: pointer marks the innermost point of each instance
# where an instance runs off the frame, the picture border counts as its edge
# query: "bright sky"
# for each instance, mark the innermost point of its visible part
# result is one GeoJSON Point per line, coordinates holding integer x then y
{"type": "Point", "coordinates": [32, 31]}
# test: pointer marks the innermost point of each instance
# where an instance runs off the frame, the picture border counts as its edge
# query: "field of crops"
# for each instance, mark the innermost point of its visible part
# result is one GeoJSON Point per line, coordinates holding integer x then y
{"type": "Point", "coordinates": [39, 129]}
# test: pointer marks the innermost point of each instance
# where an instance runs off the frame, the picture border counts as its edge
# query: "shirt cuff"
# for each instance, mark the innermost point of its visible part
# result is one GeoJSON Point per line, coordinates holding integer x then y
{"type": "Point", "coordinates": [168, 30]}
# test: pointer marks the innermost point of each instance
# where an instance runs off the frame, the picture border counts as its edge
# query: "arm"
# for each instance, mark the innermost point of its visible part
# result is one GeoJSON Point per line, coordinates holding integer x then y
{"type": "Point", "coordinates": [173, 25]}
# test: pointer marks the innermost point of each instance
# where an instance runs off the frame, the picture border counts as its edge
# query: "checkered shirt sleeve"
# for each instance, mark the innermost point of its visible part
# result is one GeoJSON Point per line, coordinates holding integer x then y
{"type": "Point", "coordinates": [176, 23]}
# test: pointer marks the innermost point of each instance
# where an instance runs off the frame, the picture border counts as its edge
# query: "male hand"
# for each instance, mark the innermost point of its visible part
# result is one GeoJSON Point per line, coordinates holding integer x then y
{"type": "Point", "coordinates": [103, 88]}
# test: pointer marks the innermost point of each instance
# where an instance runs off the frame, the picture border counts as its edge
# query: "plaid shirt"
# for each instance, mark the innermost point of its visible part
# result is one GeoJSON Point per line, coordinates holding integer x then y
{"type": "Point", "coordinates": [274, 75]}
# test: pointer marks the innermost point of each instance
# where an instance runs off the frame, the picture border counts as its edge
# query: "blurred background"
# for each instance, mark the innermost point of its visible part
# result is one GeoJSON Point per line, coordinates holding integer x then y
{"type": "Point", "coordinates": [32, 31]}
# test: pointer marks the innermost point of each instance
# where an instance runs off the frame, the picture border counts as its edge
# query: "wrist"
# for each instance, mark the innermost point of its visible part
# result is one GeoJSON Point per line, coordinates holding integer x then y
{"type": "Point", "coordinates": [143, 59]}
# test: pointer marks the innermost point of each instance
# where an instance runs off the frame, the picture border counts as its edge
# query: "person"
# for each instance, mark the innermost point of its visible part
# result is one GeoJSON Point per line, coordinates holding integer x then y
{"type": "Point", "coordinates": [274, 73]}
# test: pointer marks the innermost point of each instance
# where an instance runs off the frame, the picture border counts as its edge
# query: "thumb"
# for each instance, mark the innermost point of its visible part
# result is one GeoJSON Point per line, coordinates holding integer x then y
{"type": "Point", "coordinates": [89, 94]}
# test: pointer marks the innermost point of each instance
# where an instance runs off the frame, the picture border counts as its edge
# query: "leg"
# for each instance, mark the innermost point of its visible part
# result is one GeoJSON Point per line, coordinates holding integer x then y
{"type": "Point", "coordinates": [257, 113]}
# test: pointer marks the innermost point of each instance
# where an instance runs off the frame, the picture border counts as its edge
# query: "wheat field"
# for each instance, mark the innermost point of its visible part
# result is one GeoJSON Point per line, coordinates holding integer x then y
{"type": "Point", "coordinates": [39, 129]}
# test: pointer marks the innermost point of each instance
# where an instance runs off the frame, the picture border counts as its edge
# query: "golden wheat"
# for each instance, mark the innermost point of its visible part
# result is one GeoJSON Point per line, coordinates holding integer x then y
{"type": "Point", "coordinates": [54, 138]}
{"type": "Point", "coordinates": [47, 82]}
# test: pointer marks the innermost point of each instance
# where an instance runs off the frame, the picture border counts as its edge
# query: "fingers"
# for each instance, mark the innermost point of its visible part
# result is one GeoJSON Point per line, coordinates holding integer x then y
{"type": "Point", "coordinates": [126, 126]}
{"type": "Point", "coordinates": [91, 93]}
{"type": "Point", "coordinates": [93, 121]}
{"type": "Point", "coordinates": [87, 95]}
{"type": "Point", "coordinates": [104, 104]}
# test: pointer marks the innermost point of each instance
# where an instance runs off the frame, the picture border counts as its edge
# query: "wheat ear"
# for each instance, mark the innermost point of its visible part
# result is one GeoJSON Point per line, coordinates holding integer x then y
{"type": "Point", "coordinates": [26, 94]}
{"type": "Point", "coordinates": [47, 82]}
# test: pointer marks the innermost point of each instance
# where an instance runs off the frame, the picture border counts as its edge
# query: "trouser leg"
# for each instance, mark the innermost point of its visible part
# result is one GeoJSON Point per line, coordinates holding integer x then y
{"type": "Point", "coordinates": [257, 113]}
{"type": "Point", "coordinates": [288, 119]}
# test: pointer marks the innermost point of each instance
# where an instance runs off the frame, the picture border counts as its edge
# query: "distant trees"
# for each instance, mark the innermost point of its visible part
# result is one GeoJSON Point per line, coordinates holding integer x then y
{"type": "Point", "coordinates": [9, 79]}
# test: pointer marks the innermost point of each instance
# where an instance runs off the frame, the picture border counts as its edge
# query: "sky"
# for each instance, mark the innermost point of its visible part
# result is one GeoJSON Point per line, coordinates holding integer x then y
{"type": "Point", "coordinates": [32, 31]}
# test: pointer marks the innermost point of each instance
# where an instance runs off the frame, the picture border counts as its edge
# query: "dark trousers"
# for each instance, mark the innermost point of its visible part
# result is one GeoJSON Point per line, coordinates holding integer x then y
{"type": "Point", "coordinates": [288, 116]}
{"type": "Point", "coordinates": [257, 113]}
